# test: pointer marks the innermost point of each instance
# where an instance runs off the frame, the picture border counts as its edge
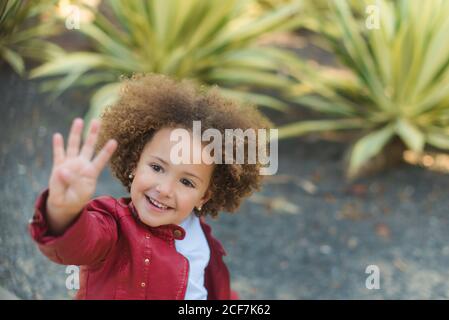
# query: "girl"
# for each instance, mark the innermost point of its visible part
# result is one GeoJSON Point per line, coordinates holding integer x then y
{"type": "Point", "coordinates": [154, 244]}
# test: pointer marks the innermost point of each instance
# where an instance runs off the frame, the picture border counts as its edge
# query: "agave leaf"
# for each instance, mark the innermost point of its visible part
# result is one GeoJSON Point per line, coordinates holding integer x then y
{"type": "Point", "coordinates": [256, 58]}
{"type": "Point", "coordinates": [11, 9]}
{"type": "Point", "coordinates": [14, 60]}
{"type": "Point", "coordinates": [434, 95]}
{"type": "Point", "coordinates": [380, 39]}
{"type": "Point", "coordinates": [211, 23]}
{"type": "Point", "coordinates": [40, 50]}
{"type": "Point", "coordinates": [109, 28]}
{"type": "Point", "coordinates": [160, 17]}
{"type": "Point", "coordinates": [438, 139]}
{"type": "Point", "coordinates": [323, 105]}
{"type": "Point", "coordinates": [142, 30]}
{"type": "Point", "coordinates": [66, 82]}
{"type": "Point", "coordinates": [410, 134]}
{"type": "Point", "coordinates": [87, 80]}
{"type": "Point", "coordinates": [107, 43]}
{"type": "Point", "coordinates": [69, 63]}
{"type": "Point", "coordinates": [420, 31]}
{"type": "Point", "coordinates": [272, 19]}
{"type": "Point", "coordinates": [367, 147]}
{"type": "Point", "coordinates": [183, 13]}
{"type": "Point", "coordinates": [437, 56]}
{"type": "Point", "coordinates": [118, 7]}
{"type": "Point", "coordinates": [103, 97]}
{"type": "Point", "coordinates": [247, 76]}
{"type": "Point", "coordinates": [305, 127]}
{"type": "Point", "coordinates": [401, 63]}
{"type": "Point", "coordinates": [3, 8]}
{"type": "Point", "coordinates": [33, 32]}
{"type": "Point", "coordinates": [256, 98]}
{"type": "Point", "coordinates": [356, 49]}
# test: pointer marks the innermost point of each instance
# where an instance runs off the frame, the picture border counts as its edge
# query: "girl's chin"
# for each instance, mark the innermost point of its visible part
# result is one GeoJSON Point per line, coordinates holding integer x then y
{"type": "Point", "coordinates": [150, 221]}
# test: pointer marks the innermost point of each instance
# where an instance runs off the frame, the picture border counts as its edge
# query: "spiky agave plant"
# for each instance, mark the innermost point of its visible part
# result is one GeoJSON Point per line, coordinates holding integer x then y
{"type": "Point", "coordinates": [196, 39]}
{"type": "Point", "coordinates": [22, 33]}
{"type": "Point", "coordinates": [395, 83]}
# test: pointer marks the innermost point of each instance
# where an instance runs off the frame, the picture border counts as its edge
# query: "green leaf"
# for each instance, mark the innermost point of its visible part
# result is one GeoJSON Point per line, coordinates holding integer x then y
{"type": "Point", "coordinates": [367, 147]}
{"type": "Point", "coordinates": [247, 76]}
{"type": "Point", "coordinates": [256, 98]}
{"type": "Point", "coordinates": [439, 140]}
{"type": "Point", "coordinates": [105, 41]}
{"type": "Point", "coordinates": [69, 63]}
{"type": "Point", "coordinates": [257, 58]}
{"type": "Point", "coordinates": [410, 134]}
{"type": "Point", "coordinates": [272, 20]}
{"type": "Point", "coordinates": [103, 97]}
{"type": "Point", "coordinates": [306, 127]}
{"type": "Point", "coordinates": [14, 60]}
{"type": "Point", "coordinates": [322, 105]}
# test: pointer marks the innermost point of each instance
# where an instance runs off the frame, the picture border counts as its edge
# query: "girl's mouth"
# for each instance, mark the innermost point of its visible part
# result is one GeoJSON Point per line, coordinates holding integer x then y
{"type": "Point", "coordinates": [157, 206]}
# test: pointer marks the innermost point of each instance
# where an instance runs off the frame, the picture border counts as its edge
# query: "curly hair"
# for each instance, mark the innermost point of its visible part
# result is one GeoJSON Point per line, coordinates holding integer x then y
{"type": "Point", "coordinates": [148, 103]}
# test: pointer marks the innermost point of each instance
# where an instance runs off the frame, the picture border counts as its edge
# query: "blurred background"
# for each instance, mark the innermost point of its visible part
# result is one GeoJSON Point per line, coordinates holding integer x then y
{"type": "Point", "coordinates": [359, 91]}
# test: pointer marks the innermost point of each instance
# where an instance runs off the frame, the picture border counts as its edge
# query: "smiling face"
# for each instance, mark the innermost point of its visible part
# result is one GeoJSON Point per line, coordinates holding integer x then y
{"type": "Point", "coordinates": [163, 192]}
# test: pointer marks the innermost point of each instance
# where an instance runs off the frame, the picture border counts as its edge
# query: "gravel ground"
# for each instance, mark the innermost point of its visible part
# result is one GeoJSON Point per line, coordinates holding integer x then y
{"type": "Point", "coordinates": [289, 241]}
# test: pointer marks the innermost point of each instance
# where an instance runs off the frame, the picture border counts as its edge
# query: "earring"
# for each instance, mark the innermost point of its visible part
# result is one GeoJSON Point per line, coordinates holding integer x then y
{"type": "Point", "coordinates": [130, 176]}
{"type": "Point", "coordinates": [199, 208]}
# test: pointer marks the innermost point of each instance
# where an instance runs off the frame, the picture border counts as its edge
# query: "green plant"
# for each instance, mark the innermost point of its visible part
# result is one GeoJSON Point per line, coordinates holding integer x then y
{"type": "Point", "coordinates": [395, 82]}
{"type": "Point", "coordinates": [21, 32]}
{"type": "Point", "coordinates": [201, 40]}
{"type": "Point", "coordinates": [317, 15]}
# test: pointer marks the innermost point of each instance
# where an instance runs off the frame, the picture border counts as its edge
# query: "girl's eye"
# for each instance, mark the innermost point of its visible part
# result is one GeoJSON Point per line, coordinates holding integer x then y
{"type": "Point", "coordinates": [187, 183]}
{"type": "Point", "coordinates": [156, 167]}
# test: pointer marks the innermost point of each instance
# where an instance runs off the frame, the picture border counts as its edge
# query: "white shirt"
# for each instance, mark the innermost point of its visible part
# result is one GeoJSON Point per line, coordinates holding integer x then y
{"type": "Point", "coordinates": [195, 248]}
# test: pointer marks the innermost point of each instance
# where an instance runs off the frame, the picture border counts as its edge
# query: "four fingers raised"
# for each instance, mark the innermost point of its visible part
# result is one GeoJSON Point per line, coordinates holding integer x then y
{"type": "Point", "coordinates": [88, 148]}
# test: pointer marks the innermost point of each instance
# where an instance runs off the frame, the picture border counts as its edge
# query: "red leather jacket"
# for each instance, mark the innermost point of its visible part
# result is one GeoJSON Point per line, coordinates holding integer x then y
{"type": "Point", "coordinates": [122, 258]}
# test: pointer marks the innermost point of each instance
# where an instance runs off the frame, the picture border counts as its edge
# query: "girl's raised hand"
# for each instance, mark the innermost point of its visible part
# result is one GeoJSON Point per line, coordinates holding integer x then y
{"type": "Point", "coordinates": [74, 175]}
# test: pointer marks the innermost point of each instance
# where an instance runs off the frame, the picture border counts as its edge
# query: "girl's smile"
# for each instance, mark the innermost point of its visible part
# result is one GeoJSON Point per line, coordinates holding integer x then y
{"type": "Point", "coordinates": [157, 204]}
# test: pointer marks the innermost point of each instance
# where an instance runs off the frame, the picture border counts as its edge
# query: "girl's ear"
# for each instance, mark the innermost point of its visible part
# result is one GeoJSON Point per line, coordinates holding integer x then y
{"type": "Point", "coordinates": [206, 197]}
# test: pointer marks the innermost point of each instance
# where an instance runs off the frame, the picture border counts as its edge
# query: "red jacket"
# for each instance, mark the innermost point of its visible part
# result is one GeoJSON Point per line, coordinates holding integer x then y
{"type": "Point", "coordinates": [122, 258]}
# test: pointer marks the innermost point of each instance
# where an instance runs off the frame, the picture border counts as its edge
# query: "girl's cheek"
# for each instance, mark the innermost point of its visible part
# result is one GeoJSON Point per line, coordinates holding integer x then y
{"type": "Point", "coordinates": [190, 197]}
{"type": "Point", "coordinates": [148, 174]}
{"type": "Point", "coordinates": [182, 196]}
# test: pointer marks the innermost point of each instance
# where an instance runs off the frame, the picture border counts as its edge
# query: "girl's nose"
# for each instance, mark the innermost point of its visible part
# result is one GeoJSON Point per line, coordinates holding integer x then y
{"type": "Point", "coordinates": [165, 188]}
